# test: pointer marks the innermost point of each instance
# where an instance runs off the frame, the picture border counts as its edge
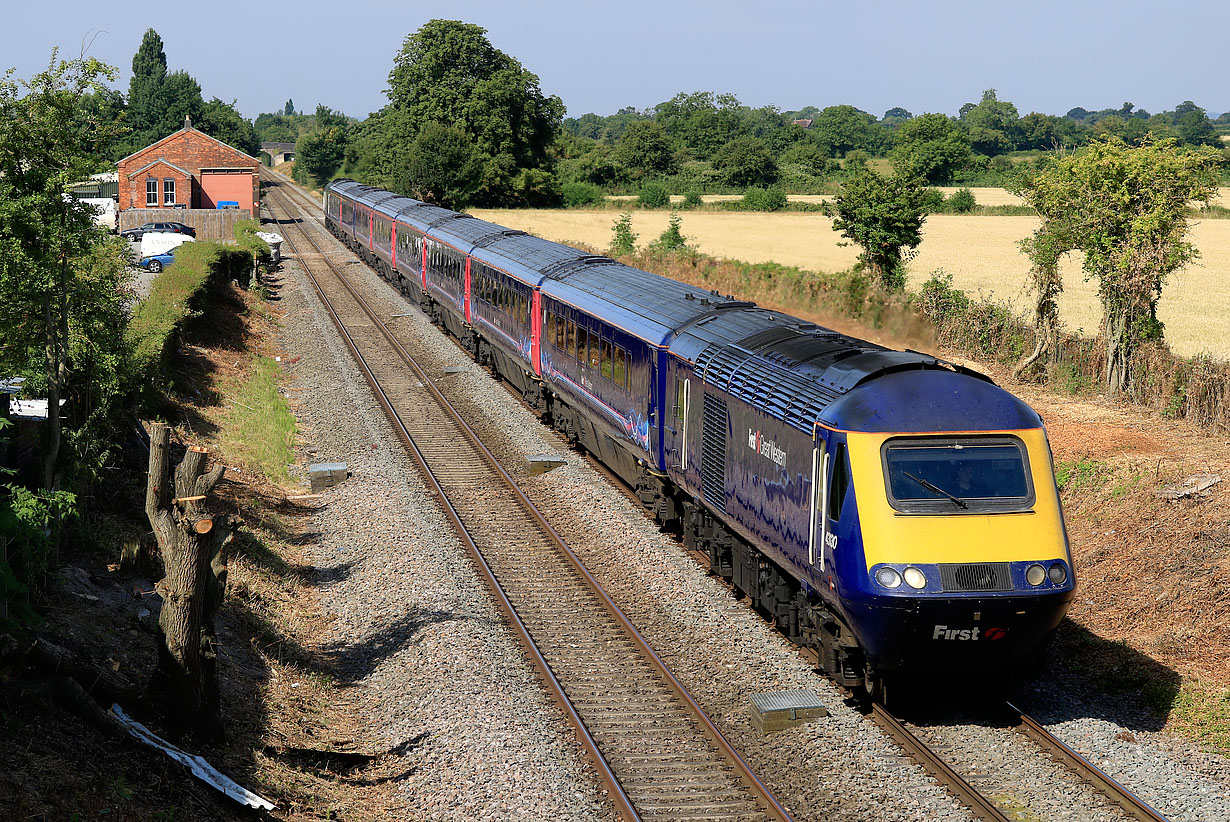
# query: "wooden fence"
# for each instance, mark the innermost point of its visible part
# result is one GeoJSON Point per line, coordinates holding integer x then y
{"type": "Point", "coordinates": [210, 223]}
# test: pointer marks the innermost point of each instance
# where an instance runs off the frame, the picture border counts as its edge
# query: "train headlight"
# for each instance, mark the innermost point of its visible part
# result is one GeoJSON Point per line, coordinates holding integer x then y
{"type": "Point", "coordinates": [915, 578]}
{"type": "Point", "coordinates": [1035, 575]}
{"type": "Point", "coordinates": [888, 577]}
{"type": "Point", "coordinates": [1057, 573]}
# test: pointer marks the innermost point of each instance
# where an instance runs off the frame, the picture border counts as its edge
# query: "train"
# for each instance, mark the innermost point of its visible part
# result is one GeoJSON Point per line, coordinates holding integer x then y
{"type": "Point", "coordinates": [892, 511]}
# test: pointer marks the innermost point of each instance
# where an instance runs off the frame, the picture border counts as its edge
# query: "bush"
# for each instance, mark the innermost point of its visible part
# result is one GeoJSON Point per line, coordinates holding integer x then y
{"type": "Point", "coordinates": [691, 199]}
{"type": "Point", "coordinates": [961, 201]}
{"type": "Point", "coordinates": [672, 238]}
{"type": "Point", "coordinates": [653, 195]}
{"type": "Point", "coordinates": [577, 194]}
{"type": "Point", "coordinates": [763, 199]}
{"type": "Point", "coordinates": [932, 201]}
{"type": "Point", "coordinates": [624, 240]}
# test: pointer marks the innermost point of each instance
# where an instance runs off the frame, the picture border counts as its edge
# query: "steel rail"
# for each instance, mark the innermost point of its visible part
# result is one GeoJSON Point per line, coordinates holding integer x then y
{"type": "Point", "coordinates": [926, 757]}
{"type": "Point", "coordinates": [770, 803]}
{"type": "Point", "coordinates": [1083, 768]}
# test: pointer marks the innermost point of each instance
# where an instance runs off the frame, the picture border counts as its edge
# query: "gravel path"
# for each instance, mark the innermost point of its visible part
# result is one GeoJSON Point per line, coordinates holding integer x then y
{"type": "Point", "coordinates": [439, 668]}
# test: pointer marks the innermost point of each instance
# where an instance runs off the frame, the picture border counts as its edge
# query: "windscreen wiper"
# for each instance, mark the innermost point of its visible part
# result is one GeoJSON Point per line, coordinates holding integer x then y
{"type": "Point", "coordinates": [935, 489]}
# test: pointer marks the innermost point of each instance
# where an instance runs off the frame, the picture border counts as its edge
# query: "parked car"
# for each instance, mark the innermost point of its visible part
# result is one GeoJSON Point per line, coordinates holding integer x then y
{"type": "Point", "coordinates": [138, 232]}
{"type": "Point", "coordinates": [157, 262]}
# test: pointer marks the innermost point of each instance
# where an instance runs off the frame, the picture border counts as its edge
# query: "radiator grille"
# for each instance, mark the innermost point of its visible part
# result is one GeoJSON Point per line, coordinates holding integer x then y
{"type": "Point", "coordinates": [713, 454]}
{"type": "Point", "coordinates": [983, 576]}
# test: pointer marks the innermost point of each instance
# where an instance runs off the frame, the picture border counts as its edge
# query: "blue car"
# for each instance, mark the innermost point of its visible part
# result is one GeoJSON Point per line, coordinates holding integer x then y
{"type": "Point", "coordinates": [157, 262]}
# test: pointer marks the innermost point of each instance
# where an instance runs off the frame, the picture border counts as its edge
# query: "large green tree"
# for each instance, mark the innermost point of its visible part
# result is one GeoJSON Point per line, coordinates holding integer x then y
{"type": "Point", "coordinates": [1125, 208]}
{"type": "Point", "coordinates": [932, 147]}
{"type": "Point", "coordinates": [645, 150]}
{"type": "Point", "coordinates": [60, 276]}
{"type": "Point", "coordinates": [746, 161]}
{"type": "Point", "coordinates": [702, 121]}
{"type": "Point", "coordinates": [992, 124]}
{"type": "Point", "coordinates": [883, 216]}
{"type": "Point", "coordinates": [441, 167]}
{"type": "Point", "coordinates": [842, 129]}
{"type": "Point", "coordinates": [448, 73]}
{"type": "Point", "coordinates": [149, 72]}
{"type": "Point", "coordinates": [319, 153]}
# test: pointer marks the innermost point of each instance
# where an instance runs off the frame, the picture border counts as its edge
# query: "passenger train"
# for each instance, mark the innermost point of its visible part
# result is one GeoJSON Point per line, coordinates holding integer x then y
{"type": "Point", "coordinates": [895, 512]}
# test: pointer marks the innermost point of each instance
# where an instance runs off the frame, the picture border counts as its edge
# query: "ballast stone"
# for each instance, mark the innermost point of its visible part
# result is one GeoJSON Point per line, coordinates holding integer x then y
{"type": "Point", "coordinates": [778, 710]}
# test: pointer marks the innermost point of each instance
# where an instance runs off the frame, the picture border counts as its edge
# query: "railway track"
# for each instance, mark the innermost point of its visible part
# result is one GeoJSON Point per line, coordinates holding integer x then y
{"type": "Point", "coordinates": [659, 754]}
{"type": "Point", "coordinates": [983, 806]}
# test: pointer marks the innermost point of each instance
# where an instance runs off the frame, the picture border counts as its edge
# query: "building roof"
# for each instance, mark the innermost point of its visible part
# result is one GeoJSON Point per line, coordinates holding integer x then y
{"type": "Point", "coordinates": [157, 162]}
{"type": "Point", "coordinates": [187, 129]}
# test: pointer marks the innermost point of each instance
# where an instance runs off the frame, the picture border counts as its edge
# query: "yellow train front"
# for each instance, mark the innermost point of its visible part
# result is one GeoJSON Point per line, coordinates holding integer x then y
{"type": "Point", "coordinates": [957, 558]}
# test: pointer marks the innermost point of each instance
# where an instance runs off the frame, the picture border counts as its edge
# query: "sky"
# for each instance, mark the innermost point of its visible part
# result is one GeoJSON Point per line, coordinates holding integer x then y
{"type": "Point", "coordinates": [1045, 55]}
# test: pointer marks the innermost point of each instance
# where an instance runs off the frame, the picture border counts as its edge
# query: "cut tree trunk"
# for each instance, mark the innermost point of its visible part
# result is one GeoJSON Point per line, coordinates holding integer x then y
{"type": "Point", "coordinates": [193, 544]}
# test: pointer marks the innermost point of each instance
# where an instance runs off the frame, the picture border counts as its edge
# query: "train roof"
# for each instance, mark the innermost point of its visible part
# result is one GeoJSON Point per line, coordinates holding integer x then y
{"type": "Point", "coordinates": [801, 374]}
{"type": "Point", "coordinates": [465, 233]}
{"type": "Point", "coordinates": [648, 305]}
{"type": "Point", "coordinates": [529, 258]}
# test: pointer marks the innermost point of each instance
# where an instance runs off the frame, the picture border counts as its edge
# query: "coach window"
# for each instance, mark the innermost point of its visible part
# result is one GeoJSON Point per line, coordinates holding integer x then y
{"type": "Point", "coordinates": [582, 342]}
{"type": "Point", "coordinates": [606, 358]}
{"type": "Point", "coordinates": [559, 333]}
{"type": "Point", "coordinates": [838, 482]}
{"type": "Point", "coordinates": [620, 368]}
{"type": "Point", "coordinates": [570, 339]}
{"type": "Point", "coordinates": [551, 326]}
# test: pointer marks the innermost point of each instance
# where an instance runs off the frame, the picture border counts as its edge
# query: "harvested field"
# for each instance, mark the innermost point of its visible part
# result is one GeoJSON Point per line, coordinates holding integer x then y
{"type": "Point", "coordinates": [981, 253]}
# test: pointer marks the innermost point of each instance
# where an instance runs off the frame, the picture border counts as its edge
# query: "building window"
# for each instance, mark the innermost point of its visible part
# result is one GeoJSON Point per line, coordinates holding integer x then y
{"type": "Point", "coordinates": [168, 191]}
{"type": "Point", "coordinates": [151, 192]}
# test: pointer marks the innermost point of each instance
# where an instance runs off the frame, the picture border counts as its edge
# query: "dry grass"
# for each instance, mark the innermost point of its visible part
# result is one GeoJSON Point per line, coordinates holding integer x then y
{"type": "Point", "coordinates": [981, 253]}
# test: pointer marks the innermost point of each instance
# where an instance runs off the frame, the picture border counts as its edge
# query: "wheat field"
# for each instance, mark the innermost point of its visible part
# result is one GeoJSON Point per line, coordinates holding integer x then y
{"type": "Point", "coordinates": [981, 254]}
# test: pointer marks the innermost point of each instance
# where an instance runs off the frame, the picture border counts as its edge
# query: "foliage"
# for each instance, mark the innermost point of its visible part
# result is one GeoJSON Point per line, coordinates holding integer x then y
{"type": "Point", "coordinates": [931, 147]}
{"type": "Point", "coordinates": [319, 153]}
{"type": "Point", "coordinates": [1125, 208]}
{"type": "Point", "coordinates": [842, 129]}
{"type": "Point", "coordinates": [448, 74]}
{"type": "Point", "coordinates": [763, 199]}
{"type": "Point", "coordinates": [992, 124]}
{"type": "Point", "coordinates": [961, 201]}
{"type": "Point", "coordinates": [702, 121]}
{"type": "Point", "coordinates": [623, 241]}
{"type": "Point", "coordinates": [59, 275]}
{"type": "Point", "coordinates": [576, 194]}
{"type": "Point", "coordinates": [653, 195]}
{"type": "Point", "coordinates": [672, 238]}
{"type": "Point", "coordinates": [441, 167]}
{"type": "Point", "coordinates": [261, 427]}
{"type": "Point", "coordinates": [27, 521]}
{"type": "Point", "coordinates": [883, 216]}
{"type": "Point", "coordinates": [222, 121]}
{"type": "Point", "coordinates": [746, 161]}
{"type": "Point", "coordinates": [645, 151]}
{"type": "Point", "coordinates": [691, 198]}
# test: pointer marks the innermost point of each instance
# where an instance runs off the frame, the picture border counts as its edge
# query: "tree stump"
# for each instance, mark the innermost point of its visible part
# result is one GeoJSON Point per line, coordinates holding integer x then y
{"type": "Point", "coordinates": [193, 543]}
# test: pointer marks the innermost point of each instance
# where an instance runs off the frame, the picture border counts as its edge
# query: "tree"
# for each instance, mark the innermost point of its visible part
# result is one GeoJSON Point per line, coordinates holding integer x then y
{"type": "Point", "coordinates": [448, 73]}
{"type": "Point", "coordinates": [193, 544]}
{"type": "Point", "coordinates": [222, 121]}
{"type": "Point", "coordinates": [841, 129]}
{"type": "Point", "coordinates": [884, 217]}
{"type": "Point", "coordinates": [746, 161]}
{"type": "Point", "coordinates": [59, 282]}
{"type": "Point", "coordinates": [992, 125]}
{"type": "Point", "coordinates": [319, 153]}
{"type": "Point", "coordinates": [932, 147]}
{"type": "Point", "coordinates": [702, 121]}
{"type": "Point", "coordinates": [149, 71]}
{"type": "Point", "coordinates": [645, 150]}
{"type": "Point", "coordinates": [441, 167]}
{"type": "Point", "coordinates": [1125, 208]}
{"type": "Point", "coordinates": [289, 108]}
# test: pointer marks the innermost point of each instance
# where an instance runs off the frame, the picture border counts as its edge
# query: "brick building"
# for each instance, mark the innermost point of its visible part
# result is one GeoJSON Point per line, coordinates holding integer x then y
{"type": "Point", "coordinates": [189, 169]}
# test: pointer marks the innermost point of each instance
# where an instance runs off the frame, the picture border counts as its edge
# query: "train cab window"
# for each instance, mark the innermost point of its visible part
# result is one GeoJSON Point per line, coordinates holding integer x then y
{"type": "Point", "coordinates": [570, 340]}
{"type": "Point", "coordinates": [606, 358]}
{"type": "Point", "coordinates": [679, 400]}
{"type": "Point", "coordinates": [957, 475]}
{"type": "Point", "coordinates": [839, 481]}
{"type": "Point", "coordinates": [619, 368]}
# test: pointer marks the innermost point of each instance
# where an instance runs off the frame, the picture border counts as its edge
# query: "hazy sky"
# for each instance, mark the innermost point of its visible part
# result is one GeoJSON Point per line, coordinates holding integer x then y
{"type": "Point", "coordinates": [1044, 55]}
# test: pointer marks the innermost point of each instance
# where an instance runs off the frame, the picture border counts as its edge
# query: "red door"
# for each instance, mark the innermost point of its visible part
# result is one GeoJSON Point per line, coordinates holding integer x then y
{"type": "Point", "coordinates": [393, 246]}
{"type": "Point", "coordinates": [466, 291]}
{"type": "Point", "coordinates": [536, 332]}
{"type": "Point", "coordinates": [424, 262]}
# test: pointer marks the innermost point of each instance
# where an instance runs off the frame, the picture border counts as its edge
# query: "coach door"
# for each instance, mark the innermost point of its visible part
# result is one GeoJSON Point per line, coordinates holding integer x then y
{"type": "Point", "coordinates": [818, 516]}
{"type": "Point", "coordinates": [536, 330]}
{"type": "Point", "coordinates": [466, 290]}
